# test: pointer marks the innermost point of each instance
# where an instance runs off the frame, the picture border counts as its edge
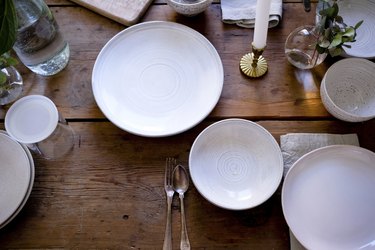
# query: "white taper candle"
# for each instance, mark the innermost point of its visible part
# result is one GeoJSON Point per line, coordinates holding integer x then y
{"type": "Point", "coordinates": [261, 23]}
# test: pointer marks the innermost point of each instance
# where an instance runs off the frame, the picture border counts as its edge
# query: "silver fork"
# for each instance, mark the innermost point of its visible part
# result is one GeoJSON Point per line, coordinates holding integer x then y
{"type": "Point", "coordinates": [169, 166]}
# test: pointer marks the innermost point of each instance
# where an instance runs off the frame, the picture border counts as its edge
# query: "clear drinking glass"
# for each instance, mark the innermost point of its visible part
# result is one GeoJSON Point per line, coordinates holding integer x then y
{"type": "Point", "coordinates": [39, 42]}
{"type": "Point", "coordinates": [35, 121]}
{"type": "Point", "coordinates": [12, 88]}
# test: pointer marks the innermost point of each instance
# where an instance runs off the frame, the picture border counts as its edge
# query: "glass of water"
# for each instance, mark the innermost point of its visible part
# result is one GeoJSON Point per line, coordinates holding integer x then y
{"type": "Point", "coordinates": [39, 43]}
{"type": "Point", "coordinates": [35, 121]}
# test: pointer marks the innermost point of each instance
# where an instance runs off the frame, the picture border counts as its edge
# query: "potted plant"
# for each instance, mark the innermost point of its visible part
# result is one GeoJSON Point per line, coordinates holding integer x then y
{"type": "Point", "coordinates": [10, 79]}
{"type": "Point", "coordinates": [308, 45]}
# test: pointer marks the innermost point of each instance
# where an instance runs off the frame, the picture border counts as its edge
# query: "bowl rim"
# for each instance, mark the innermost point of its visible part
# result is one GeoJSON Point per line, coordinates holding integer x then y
{"type": "Point", "coordinates": [190, 4]}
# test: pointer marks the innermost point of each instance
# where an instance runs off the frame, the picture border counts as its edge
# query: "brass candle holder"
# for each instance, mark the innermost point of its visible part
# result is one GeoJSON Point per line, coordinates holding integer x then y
{"type": "Point", "coordinates": [253, 64]}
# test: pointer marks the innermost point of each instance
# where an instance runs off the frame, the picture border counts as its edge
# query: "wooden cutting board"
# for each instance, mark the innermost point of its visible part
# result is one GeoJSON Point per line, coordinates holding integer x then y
{"type": "Point", "coordinates": [126, 12]}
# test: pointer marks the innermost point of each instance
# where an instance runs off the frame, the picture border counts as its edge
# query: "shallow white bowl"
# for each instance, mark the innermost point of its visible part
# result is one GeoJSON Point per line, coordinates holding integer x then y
{"type": "Point", "coordinates": [189, 7]}
{"type": "Point", "coordinates": [328, 198]}
{"type": "Point", "coordinates": [236, 164]}
{"type": "Point", "coordinates": [348, 90]}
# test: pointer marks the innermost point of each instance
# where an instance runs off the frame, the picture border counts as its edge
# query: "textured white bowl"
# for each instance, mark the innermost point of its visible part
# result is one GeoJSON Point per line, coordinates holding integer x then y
{"type": "Point", "coordinates": [236, 164]}
{"type": "Point", "coordinates": [189, 7]}
{"type": "Point", "coordinates": [348, 90]}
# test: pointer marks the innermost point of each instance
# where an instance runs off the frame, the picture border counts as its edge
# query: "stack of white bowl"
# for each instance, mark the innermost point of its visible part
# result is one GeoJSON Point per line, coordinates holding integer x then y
{"type": "Point", "coordinates": [16, 177]}
{"type": "Point", "coordinates": [348, 90]}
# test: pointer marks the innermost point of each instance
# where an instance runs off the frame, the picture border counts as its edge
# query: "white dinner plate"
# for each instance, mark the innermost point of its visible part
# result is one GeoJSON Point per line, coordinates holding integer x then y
{"type": "Point", "coordinates": [29, 189]}
{"type": "Point", "coordinates": [352, 12]}
{"type": "Point", "coordinates": [236, 164]}
{"type": "Point", "coordinates": [157, 78]}
{"type": "Point", "coordinates": [16, 176]}
{"type": "Point", "coordinates": [328, 198]}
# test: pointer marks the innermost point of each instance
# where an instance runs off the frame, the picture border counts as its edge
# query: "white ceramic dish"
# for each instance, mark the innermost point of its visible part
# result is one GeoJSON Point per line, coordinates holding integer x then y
{"type": "Point", "coordinates": [328, 198]}
{"type": "Point", "coordinates": [348, 90]}
{"type": "Point", "coordinates": [157, 78]}
{"type": "Point", "coordinates": [354, 11]}
{"type": "Point", "coordinates": [189, 7]}
{"type": "Point", "coordinates": [29, 189]}
{"type": "Point", "coordinates": [236, 164]}
{"type": "Point", "coordinates": [16, 177]}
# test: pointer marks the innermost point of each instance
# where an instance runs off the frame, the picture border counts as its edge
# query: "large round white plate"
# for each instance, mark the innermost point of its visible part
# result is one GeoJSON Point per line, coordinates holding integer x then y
{"type": "Point", "coordinates": [15, 177]}
{"type": "Point", "coordinates": [328, 198]}
{"type": "Point", "coordinates": [352, 12]}
{"type": "Point", "coordinates": [236, 164]}
{"type": "Point", "coordinates": [157, 78]}
{"type": "Point", "coordinates": [29, 189]}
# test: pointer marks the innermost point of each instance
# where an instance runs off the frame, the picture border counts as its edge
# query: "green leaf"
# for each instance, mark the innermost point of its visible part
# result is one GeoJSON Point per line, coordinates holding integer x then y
{"type": "Point", "coordinates": [349, 32]}
{"type": "Point", "coordinates": [358, 24]}
{"type": "Point", "coordinates": [335, 52]}
{"type": "Point", "coordinates": [3, 77]}
{"type": "Point", "coordinates": [337, 40]}
{"type": "Point", "coordinates": [324, 43]}
{"type": "Point", "coordinates": [8, 25]}
{"type": "Point", "coordinates": [339, 19]}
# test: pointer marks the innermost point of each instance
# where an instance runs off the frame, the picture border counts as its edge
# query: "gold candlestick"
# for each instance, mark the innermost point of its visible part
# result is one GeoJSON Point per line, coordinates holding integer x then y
{"type": "Point", "coordinates": [253, 64]}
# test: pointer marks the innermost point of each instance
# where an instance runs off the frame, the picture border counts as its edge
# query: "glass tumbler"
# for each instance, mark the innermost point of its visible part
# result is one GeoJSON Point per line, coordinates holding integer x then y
{"type": "Point", "coordinates": [35, 121]}
{"type": "Point", "coordinates": [39, 43]}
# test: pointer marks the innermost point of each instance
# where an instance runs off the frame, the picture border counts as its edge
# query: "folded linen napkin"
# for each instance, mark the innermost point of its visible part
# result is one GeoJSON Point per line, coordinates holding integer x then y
{"type": "Point", "coordinates": [295, 145]}
{"type": "Point", "coordinates": [242, 12]}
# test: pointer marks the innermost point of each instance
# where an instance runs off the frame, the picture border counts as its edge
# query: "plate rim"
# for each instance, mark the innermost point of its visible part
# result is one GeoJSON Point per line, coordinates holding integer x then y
{"type": "Point", "coordinates": [27, 191]}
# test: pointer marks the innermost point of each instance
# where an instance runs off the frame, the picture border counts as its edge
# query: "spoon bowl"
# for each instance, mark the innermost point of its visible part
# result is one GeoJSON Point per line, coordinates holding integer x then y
{"type": "Point", "coordinates": [180, 180]}
{"type": "Point", "coordinates": [180, 183]}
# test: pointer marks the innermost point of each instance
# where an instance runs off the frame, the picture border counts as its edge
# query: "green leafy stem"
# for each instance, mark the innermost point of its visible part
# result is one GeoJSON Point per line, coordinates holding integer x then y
{"type": "Point", "coordinates": [334, 34]}
{"type": "Point", "coordinates": [8, 30]}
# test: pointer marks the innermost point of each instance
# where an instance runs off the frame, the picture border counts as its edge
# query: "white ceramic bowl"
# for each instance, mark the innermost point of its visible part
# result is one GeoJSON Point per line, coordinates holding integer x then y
{"type": "Point", "coordinates": [236, 164]}
{"type": "Point", "coordinates": [328, 198]}
{"type": "Point", "coordinates": [348, 90]}
{"type": "Point", "coordinates": [189, 7]}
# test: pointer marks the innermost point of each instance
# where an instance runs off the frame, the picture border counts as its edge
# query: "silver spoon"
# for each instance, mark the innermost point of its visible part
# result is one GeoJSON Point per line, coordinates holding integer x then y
{"type": "Point", "coordinates": [180, 184]}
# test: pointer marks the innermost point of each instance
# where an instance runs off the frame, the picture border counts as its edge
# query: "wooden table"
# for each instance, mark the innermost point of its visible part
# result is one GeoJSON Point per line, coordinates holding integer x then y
{"type": "Point", "coordinates": [108, 194]}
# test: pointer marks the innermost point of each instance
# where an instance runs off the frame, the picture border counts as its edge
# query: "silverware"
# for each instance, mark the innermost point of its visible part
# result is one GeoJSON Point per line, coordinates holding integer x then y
{"type": "Point", "coordinates": [169, 166]}
{"type": "Point", "coordinates": [307, 5]}
{"type": "Point", "coordinates": [180, 185]}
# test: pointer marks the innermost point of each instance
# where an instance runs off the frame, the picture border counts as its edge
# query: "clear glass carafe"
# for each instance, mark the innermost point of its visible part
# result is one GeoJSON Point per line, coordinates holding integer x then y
{"type": "Point", "coordinates": [39, 42]}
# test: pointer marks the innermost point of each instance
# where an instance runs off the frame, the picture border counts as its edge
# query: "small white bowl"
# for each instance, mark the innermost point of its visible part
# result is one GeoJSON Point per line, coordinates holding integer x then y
{"type": "Point", "coordinates": [236, 164]}
{"type": "Point", "coordinates": [189, 7]}
{"type": "Point", "coordinates": [348, 90]}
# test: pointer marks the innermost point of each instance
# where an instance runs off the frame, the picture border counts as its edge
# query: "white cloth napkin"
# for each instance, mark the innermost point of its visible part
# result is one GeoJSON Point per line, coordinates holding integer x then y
{"type": "Point", "coordinates": [295, 145]}
{"type": "Point", "coordinates": [242, 12]}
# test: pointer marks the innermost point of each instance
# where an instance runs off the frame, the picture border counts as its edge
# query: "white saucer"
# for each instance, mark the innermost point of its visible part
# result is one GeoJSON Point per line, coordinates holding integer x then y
{"type": "Point", "coordinates": [157, 78]}
{"type": "Point", "coordinates": [19, 198]}
{"type": "Point", "coordinates": [328, 198]}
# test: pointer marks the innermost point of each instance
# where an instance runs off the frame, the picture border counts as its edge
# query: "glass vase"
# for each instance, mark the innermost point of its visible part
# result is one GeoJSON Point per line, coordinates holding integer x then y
{"type": "Point", "coordinates": [39, 44]}
{"type": "Point", "coordinates": [11, 89]}
{"type": "Point", "coordinates": [300, 47]}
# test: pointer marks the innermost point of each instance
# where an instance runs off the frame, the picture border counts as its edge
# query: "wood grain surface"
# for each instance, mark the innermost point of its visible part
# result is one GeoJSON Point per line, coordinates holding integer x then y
{"type": "Point", "coordinates": [283, 93]}
{"type": "Point", "coordinates": [108, 193]}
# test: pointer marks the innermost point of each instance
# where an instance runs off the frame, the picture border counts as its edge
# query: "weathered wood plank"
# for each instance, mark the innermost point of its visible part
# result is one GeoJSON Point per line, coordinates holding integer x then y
{"type": "Point", "coordinates": [108, 194]}
{"type": "Point", "coordinates": [279, 94]}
